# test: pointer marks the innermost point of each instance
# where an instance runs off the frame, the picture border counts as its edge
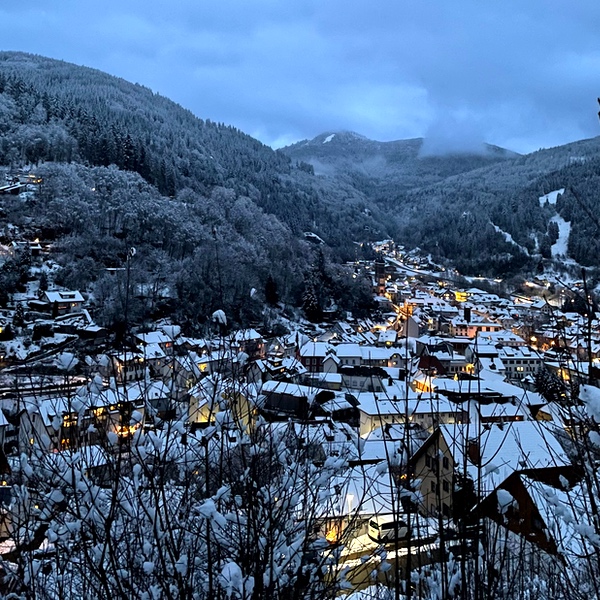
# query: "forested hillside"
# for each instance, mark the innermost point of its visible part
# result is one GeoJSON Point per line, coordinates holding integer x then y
{"type": "Point", "coordinates": [378, 168]}
{"type": "Point", "coordinates": [55, 111]}
{"type": "Point", "coordinates": [478, 211]}
{"type": "Point", "coordinates": [211, 211]}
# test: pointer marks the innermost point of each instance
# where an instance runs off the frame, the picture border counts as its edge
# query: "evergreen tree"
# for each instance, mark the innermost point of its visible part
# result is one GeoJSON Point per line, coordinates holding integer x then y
{"type": "Point", "coordinates": [43, 283]}
{"type": "Point", "coordinates": [19, 316]}
{"type": "Point", "coordinates": [310, 300]}
{"type": "Point", "coordinates": [271, 292]}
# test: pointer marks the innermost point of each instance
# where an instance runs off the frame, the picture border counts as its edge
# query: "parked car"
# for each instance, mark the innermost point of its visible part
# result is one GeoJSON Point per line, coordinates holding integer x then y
{"type": "Point", "coordinates": [386, 528]}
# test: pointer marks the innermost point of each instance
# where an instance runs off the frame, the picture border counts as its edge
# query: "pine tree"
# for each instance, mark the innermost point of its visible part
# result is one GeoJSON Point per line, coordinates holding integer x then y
{"type": "Point", "coordinates": [19, 316]}
{"type": "Point", "coordinates": [310, 301]}
{"type": "Point", "coordinates": [43, 284]}
{"type": "Point", "coordinates": [271, 292]}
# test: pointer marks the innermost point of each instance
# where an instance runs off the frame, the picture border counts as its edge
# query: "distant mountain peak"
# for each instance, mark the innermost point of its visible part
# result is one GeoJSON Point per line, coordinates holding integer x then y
{"type": "Point", "coordinates": [336, 137]}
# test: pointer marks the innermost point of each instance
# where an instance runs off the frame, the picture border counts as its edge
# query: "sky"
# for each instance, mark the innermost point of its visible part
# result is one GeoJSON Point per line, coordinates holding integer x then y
{"type": "Point", "coordinates": [522, 74]}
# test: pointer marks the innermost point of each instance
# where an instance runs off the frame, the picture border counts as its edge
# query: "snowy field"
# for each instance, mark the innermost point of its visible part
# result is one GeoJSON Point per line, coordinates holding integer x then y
{"type": "Point", "coordinates": [551, 197]}
{"type": "Point", "coordinates": [559, 249]}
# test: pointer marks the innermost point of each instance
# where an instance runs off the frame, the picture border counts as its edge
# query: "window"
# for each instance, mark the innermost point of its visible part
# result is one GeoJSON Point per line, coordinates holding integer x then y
{"type": "Point", "coordinates": [446, 462]}
{"type": "Point", "coordinates": [445, 486]}
{"type": "Point", "coordinates": [433, 486]}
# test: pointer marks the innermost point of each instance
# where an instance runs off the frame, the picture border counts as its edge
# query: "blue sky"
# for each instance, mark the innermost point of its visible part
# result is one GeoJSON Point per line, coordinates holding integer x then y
{"type": "Point", "coordinates": [523, 75]}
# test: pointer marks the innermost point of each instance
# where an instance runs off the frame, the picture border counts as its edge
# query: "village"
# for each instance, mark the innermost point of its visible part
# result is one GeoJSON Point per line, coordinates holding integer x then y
{"type": "Point", "coordinates": [443, 385]}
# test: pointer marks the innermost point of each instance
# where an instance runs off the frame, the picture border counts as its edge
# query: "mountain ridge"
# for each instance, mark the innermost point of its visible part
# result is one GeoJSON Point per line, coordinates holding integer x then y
{"type": "Point", "coordinates": [353, 157]}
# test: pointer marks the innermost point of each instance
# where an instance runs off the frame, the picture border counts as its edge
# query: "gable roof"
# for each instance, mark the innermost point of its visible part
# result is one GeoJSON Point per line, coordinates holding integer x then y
{"type": "Point", "coordinates": [518, 446]}
{"type": "Point", "coordinates": [64, 296]}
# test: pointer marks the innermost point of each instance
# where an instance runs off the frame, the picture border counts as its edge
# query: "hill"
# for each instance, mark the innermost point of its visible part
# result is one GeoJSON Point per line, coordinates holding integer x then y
{"type": "Point", "coordinates": [403, 163]}
{"type": "Point", "coordinates": [479, 211]}
{"type": "Point", "coordinates": [211, 211]}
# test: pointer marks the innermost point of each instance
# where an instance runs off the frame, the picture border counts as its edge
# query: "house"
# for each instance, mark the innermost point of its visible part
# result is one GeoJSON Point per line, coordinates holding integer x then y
{"type": "Point", "coordinates": [502, 338]}
{"type": "Point", "coordinates": [399, 406]}
{"type": "Point", "coordinates": [443, 363]}
{"type": "Point", "coordinates": [505, 412]}
{"type": "Point", "coordinates": [520, 361]}
{"type": "Point", "coordinates": [321, 439]}
{"type": "Point", "coordinates": [460, 326]}
{"type": "Point", "coordinates": [33, 247]}
{"type": "Point", "coordinates": [324, 381]}
{"type": "Point", "coordinates": [258, 371]}
{"type": "Point", "coordinates": [64, 302]}
{"type": "Point", "coordinates": [160, 398]}
{"type": "Point", "coordinates": [411, 436]}
{"type": "Point", "coordinates": [432, 468]}
{"type": "Point", "coordinates": [156, 338]}
{"type": "Point", "coordinates": [182, 372]}
{"type": "Point", "coordinates": [124, 367]}
{"type": "Point", "coordinates": [552, 513]}
{"type": "Point", "coordinates": [250, 342]}
{"type": "Point", "coordinates": [215, 394]}
{"type": "Point", "coordinates": [363, 378]}
{"type": "Point", "coordinates": [61, 423]}
{"type": "Point", "coordinates": [356, 496]}
{"type": "Point", "coordinates": [313, 354]}
{"type": "Point", "coordinates": [205, 399]}
{"type": "Point", "coordinates": [155, 357]}
{"type": "Point", "coordinates": [342, 407]}
{"type": "Point", "coordinates": [273, 366]}
{"type": "Point", "coordinates": [489, 454]}
{"type": "Point", "coordinates": [281, 399]}
{"type": "Point", "coordinates": [350, 354]}
{"type": "Point", "coordinates": [387, 338]}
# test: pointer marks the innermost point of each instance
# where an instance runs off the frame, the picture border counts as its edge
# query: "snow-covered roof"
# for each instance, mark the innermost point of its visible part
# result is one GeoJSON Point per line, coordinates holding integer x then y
{"type": "Point", "coordinates": [504, 449]}
{"type": "Point", "coordinates": [154, 338]}
{"type": "Point", "coordinates": [388, 337]}
{"type": "Point", "coordinates": [246, 335]}
{"type": "Point", "coordinates": [319, 349]}
{"type": "Point", "coordinates": [291, 389]}
{"type": "Point", "coordinates": [64, 296]}
{"type": "Point", "coordinates": [325, 377]}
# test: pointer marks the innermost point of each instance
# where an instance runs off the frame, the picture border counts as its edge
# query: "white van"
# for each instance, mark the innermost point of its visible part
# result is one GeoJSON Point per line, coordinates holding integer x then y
{"type": "Point", "coordinates": [382, 528]}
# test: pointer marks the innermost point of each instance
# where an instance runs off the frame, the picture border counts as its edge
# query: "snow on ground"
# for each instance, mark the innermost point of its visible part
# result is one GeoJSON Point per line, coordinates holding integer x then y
{"type": "Point", "coordinates": [564, 229]}
{"type": "Point", "coordinates": [329, 138]}
{"type": "Point", "coordinates": [509, 238]}
{"type": "Point", "coordinates": [551, 197]}
{"type": "Point", "coordinates": [534, 238]}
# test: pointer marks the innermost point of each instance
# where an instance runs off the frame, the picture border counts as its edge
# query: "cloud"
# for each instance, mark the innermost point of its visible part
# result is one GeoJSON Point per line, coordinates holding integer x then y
{"type": "Point", "coordinates": [519, 74]}
{"type": "Point", "coordinates": [454, 133]}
